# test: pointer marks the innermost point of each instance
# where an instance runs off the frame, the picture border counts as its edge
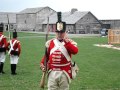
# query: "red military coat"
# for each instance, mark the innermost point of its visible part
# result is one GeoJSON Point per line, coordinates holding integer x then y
{"type": "Point", "coordinates": [3, 42]}
{"type": "Point", "coordinates": [16, 47]}
{"type": "Point", "coordinates": [56, 60]}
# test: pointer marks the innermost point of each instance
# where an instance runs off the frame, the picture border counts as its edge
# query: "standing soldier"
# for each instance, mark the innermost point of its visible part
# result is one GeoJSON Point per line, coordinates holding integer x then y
{"type": "Point", "coordinates": [59, 52]}
{"type": "Point", "coordinates": [14, 52]}
{"type": "Point", "coordinates": [3, 47]}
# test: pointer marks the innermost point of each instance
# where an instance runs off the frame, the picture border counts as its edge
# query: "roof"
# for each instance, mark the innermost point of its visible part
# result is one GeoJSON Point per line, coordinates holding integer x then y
{"type": "Point", "coordinates": [66, 17]}
{"type": "Point", "coordinates": [4, 18]}
{"type": "Point", "coordinates": [73, 18]}
{"type": "Point", "coordinates": [32, 10]}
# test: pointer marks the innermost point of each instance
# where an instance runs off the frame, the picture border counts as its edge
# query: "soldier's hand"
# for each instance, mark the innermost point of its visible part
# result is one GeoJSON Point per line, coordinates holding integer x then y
{"type": "Point", "coordinates": [66, 39]}
{"type": "Point", "coordinates": [42, 67]}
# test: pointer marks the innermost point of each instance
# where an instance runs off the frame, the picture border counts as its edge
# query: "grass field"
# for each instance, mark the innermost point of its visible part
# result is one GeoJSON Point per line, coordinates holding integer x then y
{"type": "Point", "coordinates": [99, 67]}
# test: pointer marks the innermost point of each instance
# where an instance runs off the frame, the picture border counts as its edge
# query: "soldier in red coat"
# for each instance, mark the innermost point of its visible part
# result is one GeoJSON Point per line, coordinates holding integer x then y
{"type": "Point", "coordinates": [3, 48]}
{"type": "Point", "coordinates": [14, 52]}
{"type": "Point", "coordinates": [59, 53]}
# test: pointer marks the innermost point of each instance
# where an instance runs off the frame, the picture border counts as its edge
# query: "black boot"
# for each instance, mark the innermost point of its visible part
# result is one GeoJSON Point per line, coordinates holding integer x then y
{"type": "Point", "coordinates": [1, 68]}
{"type": "Point", "coordinates": [13, 69]}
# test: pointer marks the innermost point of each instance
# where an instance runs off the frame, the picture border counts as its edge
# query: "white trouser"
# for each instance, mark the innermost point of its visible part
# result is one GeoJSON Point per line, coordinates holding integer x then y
{"type": "Point", "coordinates": [2, 57]}
{"type": "Point", "coordinates": [13, 59]}
{"type": "Point", "coordinates": [57, 80]}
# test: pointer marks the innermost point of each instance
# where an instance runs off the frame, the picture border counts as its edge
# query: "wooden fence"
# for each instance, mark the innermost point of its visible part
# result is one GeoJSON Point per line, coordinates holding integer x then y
{"type": "Point", "coordinates": [113, 36]}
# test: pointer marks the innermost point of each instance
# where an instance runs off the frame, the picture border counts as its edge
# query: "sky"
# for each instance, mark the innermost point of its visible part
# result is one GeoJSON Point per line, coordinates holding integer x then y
{"type": "Point", "coordinates": [102, 9]}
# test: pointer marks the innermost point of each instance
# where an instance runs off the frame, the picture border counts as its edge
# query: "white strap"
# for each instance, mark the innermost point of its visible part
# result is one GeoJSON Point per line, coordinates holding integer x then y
{"type": "Point", "coordinates": [1, 38]}
{"type": "Point", "coordinates": [12, 45]}
{"type": "Point", "coordinates": [60, 46]}
{"type": "Point", "coordinates": [53, 49]}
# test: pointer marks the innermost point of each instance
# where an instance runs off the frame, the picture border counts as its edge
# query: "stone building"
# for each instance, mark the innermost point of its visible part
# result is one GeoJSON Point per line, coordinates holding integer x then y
{"type": "Point", "coordinates": [8, 17]}
{"type": "Point", "coordinates": [35, 19]}
{"type": "Point", "coordinates": [31, 18]}
{"type": "Point", "coordinates": [77, 22]}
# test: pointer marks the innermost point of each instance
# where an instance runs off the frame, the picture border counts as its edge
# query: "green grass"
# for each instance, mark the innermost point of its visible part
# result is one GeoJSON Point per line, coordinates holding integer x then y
{"type": "Point", "coordinates": [99, 67]}
{"type": "Point", "coordinates": [23, 34]}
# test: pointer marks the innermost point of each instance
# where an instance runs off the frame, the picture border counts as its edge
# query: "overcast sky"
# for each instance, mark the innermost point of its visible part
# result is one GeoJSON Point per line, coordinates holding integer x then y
{"type": "Point", "coordinates": [102, 9]}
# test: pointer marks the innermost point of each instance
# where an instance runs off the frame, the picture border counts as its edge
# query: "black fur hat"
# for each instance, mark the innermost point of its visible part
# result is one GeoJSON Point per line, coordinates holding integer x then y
{"type": "Point", "coordinates": [60, 25]}
{"type": "Point", "coordinates": [15, 34]}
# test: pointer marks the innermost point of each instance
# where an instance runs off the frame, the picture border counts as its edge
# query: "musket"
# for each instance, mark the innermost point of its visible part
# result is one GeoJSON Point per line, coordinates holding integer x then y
{"type": "Point", "coordinates": [8, 27]}
{"type": "Point", "coordinates": [42, 82]}
{"type": "Point", "coordinates": [9, 32]}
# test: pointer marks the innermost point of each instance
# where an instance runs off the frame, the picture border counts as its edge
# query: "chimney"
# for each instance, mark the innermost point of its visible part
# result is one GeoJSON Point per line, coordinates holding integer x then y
{"type": "Point", "coordinates": [73, 10]}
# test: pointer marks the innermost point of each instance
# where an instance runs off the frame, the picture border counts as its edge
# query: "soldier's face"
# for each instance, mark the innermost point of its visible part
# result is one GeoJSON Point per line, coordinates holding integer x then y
{"type": "Point", "coordinates": [60, 35]}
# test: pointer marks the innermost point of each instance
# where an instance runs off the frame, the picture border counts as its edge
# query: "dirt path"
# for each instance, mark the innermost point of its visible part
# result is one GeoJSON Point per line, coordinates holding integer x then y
{"type": "Point", "coordinates": [107, 46]}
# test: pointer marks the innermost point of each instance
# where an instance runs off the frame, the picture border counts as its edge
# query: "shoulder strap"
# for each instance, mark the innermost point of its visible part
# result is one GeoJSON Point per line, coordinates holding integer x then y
{"type": "Point", "coordinates": [1, 37]}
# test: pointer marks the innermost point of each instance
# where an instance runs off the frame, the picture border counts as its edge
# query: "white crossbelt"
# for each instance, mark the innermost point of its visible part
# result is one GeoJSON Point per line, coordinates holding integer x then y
{"type": "Point", "coordinates": [12, 45]}
{"type": "Point", "coordinates": [1, 38]}
{"type": "Point", "coordinates": [53, 49]}
{"type": "Point", "coordinates": [59, 45]}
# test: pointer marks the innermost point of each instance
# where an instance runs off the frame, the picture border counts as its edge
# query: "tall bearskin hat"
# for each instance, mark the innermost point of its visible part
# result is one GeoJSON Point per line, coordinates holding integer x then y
{"type": "Point", "coordinates": [15, 34]}
{"type": "Point", "coordinates": [1, 27]}
{"type": "Point", "coordinates": [60, 25]}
